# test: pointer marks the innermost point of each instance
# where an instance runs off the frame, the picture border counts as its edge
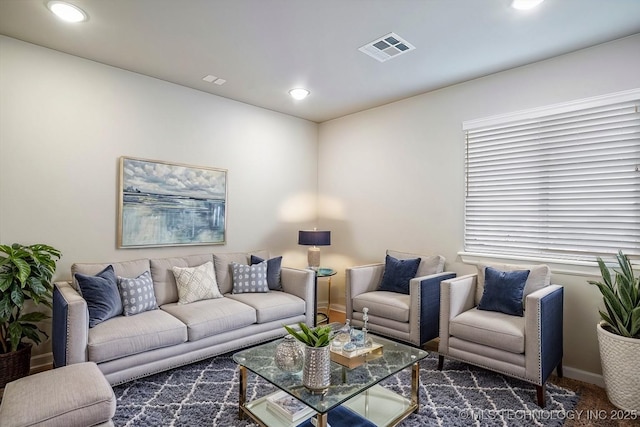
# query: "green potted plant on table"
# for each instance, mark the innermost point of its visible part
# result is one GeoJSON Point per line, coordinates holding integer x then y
{"type": "Point", "coordinates": [316, 373]}
{"type": "Point", "coordinates": [619, 333]}
{"type": "Point", "coordinates": [25, 275]}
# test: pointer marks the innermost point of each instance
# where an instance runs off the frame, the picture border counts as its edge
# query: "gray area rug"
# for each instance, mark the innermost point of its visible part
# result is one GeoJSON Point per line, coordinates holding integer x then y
{"type": "Point", "coordinates": [206, 394]}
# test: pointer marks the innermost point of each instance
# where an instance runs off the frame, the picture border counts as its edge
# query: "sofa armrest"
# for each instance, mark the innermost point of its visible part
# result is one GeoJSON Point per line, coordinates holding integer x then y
{"type": "Point", "coordinates": [457, 295]}
{"type": "Point", "coordinates": [424, 310]}
{"type": "Point", "coordinates": [301, 283]}
{"type": "Point", "coordinates": [70, 325]}
{"type": "Point", "coordinates": [361, 279]}
{"type": "Point", "coordinates": [543, 337]}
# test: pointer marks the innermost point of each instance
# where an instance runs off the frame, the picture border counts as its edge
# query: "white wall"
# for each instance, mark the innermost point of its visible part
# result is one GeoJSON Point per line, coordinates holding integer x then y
{"type": "Point", "coordinates": [65, 121]}
{"type": "Point", "coordinates": [392, 177]}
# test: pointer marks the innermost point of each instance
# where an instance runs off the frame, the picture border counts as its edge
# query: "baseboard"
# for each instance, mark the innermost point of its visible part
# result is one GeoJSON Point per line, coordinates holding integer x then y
{"type": "Point", "coordinates": [337, 316]}
{"type": "Point", "coordinates": [41, 362]}
{"type": "Point", "coordinates": [584, 376]}
{"type": "Point", "coordinates": [338, 308]}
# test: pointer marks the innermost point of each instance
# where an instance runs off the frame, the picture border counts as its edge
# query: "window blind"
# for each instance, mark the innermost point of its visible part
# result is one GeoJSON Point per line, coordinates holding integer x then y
{"type": "Point", "coordinates": [560, 182]}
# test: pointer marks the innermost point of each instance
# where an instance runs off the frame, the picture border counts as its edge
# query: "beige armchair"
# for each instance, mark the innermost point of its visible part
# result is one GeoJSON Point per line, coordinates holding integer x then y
{"type": "Point", "coordinates": [411, 317]}
{"type": "Point", "coordinates": [527, 347]}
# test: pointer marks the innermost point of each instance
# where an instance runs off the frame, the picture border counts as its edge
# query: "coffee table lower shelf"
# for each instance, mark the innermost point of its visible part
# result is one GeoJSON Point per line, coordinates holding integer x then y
{"type": "Point", "coordinates": [378, 405]}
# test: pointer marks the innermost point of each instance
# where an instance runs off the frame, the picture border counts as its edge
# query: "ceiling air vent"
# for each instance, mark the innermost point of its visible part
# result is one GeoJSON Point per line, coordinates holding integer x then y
{"type": "Point", "coordinates": [387, 47]}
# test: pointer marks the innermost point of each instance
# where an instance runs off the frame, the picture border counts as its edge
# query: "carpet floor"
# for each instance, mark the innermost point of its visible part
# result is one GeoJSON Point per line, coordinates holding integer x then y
{"type": "Point", "coordinates": [206, 394]}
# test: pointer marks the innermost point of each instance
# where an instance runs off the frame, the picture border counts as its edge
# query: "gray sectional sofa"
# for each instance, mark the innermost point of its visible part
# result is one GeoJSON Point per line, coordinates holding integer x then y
{"type": "Point", "coordinates": [129, 347]}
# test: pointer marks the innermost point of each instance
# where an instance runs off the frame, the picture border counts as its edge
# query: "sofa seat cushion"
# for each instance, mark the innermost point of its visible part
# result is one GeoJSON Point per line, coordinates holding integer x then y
{"type": "Point", "coordinates": [490, 328]}
{"type": "Point", "coordinates": [270, 306]}
{"type": "Point", "coordinates": [212, 316]}
{"type": "Point", "coordinates": [390, 305]}
{"type": "Point", "coordinates": [123, 336]}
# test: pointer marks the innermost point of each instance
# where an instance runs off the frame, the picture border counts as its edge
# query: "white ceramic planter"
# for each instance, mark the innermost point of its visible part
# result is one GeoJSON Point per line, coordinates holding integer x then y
{"type": "Point", "coordinates": [620, 368]}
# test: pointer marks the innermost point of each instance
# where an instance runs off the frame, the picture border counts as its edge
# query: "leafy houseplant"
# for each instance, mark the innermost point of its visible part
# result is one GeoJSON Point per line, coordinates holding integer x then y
{"type": "Point", "coordinates": [316, 375]}
{"type": "Point", "coordinates": [25, 274]}
{"type": "Point", "coordinates": [311, 337]}
{"type": "Point", "coordinates": [621, 295]}
{"type": "Point", "coordinates": [619, 333]}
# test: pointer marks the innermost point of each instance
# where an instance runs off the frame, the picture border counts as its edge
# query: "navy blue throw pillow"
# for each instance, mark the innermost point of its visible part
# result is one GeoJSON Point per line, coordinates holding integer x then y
{"type": "Point", "coordinates": [503, 291]}
{"type": "Point", "coordinates": [398, 273]}
{"type": "Point", "coordinates": [102, 296]}
{"type": "Point", "coordinates": [273, 271]}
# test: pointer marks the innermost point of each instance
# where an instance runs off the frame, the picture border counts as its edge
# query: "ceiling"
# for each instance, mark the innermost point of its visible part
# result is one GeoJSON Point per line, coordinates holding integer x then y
{"type": "Point", "coordinates": [263, 48]}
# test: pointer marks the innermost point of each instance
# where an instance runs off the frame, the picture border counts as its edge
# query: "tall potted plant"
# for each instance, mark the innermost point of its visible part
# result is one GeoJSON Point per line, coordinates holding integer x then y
{"type": "Point", "coordinates": [25, 275]}
{"type": "Point", "coordinates": [316, 374]}
{"type": "Point", "coordinates": [619, 333]}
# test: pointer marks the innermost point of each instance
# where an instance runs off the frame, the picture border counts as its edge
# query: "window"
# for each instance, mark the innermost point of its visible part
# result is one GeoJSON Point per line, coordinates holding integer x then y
{"type": "Point", "coordinates": [560, 182]}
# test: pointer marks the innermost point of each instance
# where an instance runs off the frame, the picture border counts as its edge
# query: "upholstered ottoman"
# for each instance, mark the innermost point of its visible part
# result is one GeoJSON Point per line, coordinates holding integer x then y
{"type": "Point", "coordinates": [73, 395]}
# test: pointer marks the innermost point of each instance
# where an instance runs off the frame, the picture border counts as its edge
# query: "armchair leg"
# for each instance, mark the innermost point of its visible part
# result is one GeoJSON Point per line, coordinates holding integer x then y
{"type": "Point", "coordinates": [540, 392]}
{"type": "Point", "coordinates": [559, 370]}
{"type": "Point", "coordinates": [440, 362]}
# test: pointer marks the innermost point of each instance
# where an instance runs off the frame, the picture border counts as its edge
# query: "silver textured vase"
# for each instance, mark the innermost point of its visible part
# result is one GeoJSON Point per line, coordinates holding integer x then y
{"type": "Point", "coordinates": [316, 376]}
{"type": "Point", "coordinates": [289, 355]}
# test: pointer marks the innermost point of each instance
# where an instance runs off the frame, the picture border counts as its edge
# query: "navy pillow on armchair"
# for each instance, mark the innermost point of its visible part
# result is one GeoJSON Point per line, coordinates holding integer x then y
{"type": "Point", "coordinates": [398, 273]}
{"type": "Point", "coordinates": [503, 291]}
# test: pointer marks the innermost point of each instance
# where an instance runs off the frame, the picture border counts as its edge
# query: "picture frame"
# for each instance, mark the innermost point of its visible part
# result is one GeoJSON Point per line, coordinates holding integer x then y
{"type": "Point", "coordinates": [170, 204]}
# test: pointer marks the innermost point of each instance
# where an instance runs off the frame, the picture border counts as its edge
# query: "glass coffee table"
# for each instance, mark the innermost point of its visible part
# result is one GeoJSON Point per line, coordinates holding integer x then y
{"type": "Point", "coordinates": [355, 390]}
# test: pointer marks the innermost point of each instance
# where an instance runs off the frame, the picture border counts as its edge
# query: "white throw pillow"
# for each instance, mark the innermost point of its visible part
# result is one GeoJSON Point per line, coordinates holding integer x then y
{"type": "Point", "coordinates": [196, 283]}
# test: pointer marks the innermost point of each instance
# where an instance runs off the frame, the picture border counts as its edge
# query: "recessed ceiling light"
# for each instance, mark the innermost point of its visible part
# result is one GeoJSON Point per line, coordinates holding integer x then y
{"type": "Point", "coordinates": [66, 11]}
{"type": "Point", "coordinates": [525, 4]}
{"type": "Point", "coordinates": [299, 93]}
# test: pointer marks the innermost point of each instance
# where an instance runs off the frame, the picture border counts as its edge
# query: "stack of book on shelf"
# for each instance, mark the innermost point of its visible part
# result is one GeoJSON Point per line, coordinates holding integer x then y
{"type": "Point", "coordinates": [288, 407]}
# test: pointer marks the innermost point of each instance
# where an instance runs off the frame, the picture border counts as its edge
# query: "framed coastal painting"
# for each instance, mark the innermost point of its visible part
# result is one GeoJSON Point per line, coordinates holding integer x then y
{"type": "Point", "coordinates": [170, 204]}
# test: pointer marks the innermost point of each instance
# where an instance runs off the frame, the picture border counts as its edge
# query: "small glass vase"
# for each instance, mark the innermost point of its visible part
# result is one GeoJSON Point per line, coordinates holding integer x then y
{"type": "Point", "coordinates": [289, 355]}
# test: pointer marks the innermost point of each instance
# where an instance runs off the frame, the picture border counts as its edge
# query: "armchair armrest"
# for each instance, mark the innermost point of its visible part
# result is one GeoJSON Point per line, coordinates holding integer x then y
{"type": "Point", "coordinates": [543, 338]}
{"type": "Point", "coordinates": [457, 295]}
{"type": "Point", "coordinates": [361, 279]}
{"type": "Point", "coordinates": [424, 311]}
{"type": "Point", "coordinates": [301, 283]}
{"type": "Point", "coordinates": [70, 325]}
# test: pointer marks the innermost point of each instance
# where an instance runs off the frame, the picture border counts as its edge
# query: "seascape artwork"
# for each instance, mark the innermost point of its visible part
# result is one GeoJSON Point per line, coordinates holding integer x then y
{"type": "Point", "coordinates": [164, 204]}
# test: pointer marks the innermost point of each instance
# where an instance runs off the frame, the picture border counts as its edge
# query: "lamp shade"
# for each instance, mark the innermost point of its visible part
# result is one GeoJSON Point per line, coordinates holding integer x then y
{"type": "Point", "coordinates": [314, 238]}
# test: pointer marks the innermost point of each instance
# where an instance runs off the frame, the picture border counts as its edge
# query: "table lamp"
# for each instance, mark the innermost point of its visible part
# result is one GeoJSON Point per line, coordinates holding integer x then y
{"type": "Point", "coordinates": [314, 238]}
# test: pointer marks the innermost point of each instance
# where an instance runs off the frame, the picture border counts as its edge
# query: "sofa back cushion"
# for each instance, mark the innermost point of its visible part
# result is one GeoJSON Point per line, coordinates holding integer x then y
{"type": "Point", "coordinates": [164, 281]}
{"type": "Point", "coordinates": [429, 264]}
{"type": "Point", "coordinates": [538, 278]}
{"type": "Point", "coordinates": [222, 263]}
{"type": "Point", "coordinates": [129, 269]}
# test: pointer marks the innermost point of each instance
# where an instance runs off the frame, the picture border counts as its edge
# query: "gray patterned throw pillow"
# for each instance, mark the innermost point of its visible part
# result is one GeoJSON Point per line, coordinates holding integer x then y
{"type": "Point", "coordinates": [137, 294]}
{"type": "Point", "coordinates": [249, 278]}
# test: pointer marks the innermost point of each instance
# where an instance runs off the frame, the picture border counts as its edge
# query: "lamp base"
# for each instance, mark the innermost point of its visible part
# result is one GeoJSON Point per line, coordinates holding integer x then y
{"type": "Point", "coordinates": [313, 258]}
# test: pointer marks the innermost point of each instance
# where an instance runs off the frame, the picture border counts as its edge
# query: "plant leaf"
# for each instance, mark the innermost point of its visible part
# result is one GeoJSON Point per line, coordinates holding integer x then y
{"type": "Point", "coordinates": [34, 316]}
